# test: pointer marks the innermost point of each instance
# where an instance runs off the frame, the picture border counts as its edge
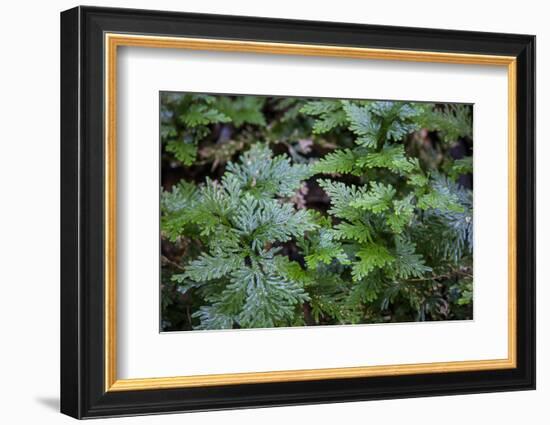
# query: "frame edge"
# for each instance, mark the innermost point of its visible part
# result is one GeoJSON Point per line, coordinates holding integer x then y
{"type": "Point", "coordinates": [526, 202]}
{"type": "Point", "coordinates": [80, 397]}
{"type": "Point", "coordinates": [70, 381]}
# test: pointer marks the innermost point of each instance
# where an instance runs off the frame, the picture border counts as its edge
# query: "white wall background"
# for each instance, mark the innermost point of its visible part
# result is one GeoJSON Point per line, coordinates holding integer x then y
{"type": "Point", "coordinates": [29, 212]}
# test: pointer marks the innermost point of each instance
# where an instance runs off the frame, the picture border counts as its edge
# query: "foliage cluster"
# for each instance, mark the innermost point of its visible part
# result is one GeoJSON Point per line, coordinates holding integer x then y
{"type": "Point", "coordinates": [290, 212]}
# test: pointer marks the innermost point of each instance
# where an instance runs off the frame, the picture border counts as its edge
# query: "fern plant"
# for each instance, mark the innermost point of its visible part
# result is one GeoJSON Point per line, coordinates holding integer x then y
{"type": "Point", "coordinates": [347, 212]}
{"type": "Point", "coordinates": [240, 222]}
{"type": "Point", "coordinates": [378, 221]}
{"type": "Point", "coordinates": [188, 119]}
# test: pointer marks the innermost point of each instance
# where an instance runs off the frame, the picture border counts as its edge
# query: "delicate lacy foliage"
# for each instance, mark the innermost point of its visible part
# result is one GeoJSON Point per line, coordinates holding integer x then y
{"type": "Point", "coordinates": [258, 173]}
{"type": "Point", "coordinates": [239, 222]}
{"type": "Point", "coordinates": [450, 121]}
{"type": "Point", "coordinates": [378, 221]}
{"type": "Point", "coordinates": [363, 219]}
{"type": "Point", "coordinates": [188, 119]}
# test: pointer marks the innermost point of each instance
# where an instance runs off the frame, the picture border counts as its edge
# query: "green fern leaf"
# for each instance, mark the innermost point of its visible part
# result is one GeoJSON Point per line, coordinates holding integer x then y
{"type": "Point", "coordinates": [184, 152]}
{"type": "Point", "coordinates": [353, 231]}
{"type": "Point", "coordinates": [262, 175]}
{"type": "Point", "coordinates": [328, 115]}
{"type": "Point", "coordinates": [451, 122]}
{"type": "Point", "coordinates": [438, 200]}
{"type": "Point", "coordinates": [208, 267]}
{"type": "Point", "coordinates": [200, 114]}
{"type": "Point", "coordinates": [341, 196]}
{"type": "Point", "coordinates": [327, 123]}
{"type": "Point", "coordinates": [242, 110]}
{"type": "Point", "coordinates": [390, 157]}
{"type": "Point", "coordinates": [340, 161]}
{"type": "Point", "coordinates": [377, 199]}
{"type": "Point", "coordinates": [325, 250]}
{"type": "Point", "coordinates": [461, 167]}
{"type": "Point", "coordinates": [320, 107]}
{"type": "Point", "coordinates": [407, 262]}
{"type": "Point", "coordinates": [270, 299]}
{"type": "Point", "coordinates": [403, 213]}
{"type": "Point", "coordinates": [362, 123]}
{"type": "Point", "coordinates": [211, 317]}
{"type": "Point", "coordinates": [371, 256]}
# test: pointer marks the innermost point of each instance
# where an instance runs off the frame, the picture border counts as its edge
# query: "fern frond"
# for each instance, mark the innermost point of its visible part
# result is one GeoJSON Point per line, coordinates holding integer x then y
{"type": "Point", "coordinates": [262, 175]}
{"type": "Point", "coordinates": [211, 317]}
{"type": "Point", "coordinates": [377, 199]}
{"type": "Point", "coordinates": [461, 166]}
{"type": "Point", "coordinates": [324, 250]}
{"type": "Point", "coordinates": [341, 196]}
{"type": "Point", "coordinates": [440, 199]}
{"type": "Point", "coordinates": [340, 161]}
{"type": "Point", "coordinates": [328, 115]}
{"type": "Point", "coordinates": [242, 110]}
{"type": "Point", "coordinates": [267, 221]}
{"type": "Point", "coordinates": [402, 215]}
{"type": "Point", "coordinates": [184, 152]}
{"type": "Point", "coordinates": [391, 157]}
{"type": "Point", "coordinates": [320, 107]}
{"type": "Point", "coordinates": [452, 121]}
{"type": "Point", "coordinates": [270, 299]}
{"type": "Point", "coordinates": [370, 256]}
{"type": "Point", "coordinates": [362, 123]}
{"type": "Point", "coordinates": [407, 262]}
{"type": "Point", "coordinates": [356, 231]}
{"type": "Point", "coordinates": [208, 267]}
{"type": "Point", "coordinates": [200, 114]}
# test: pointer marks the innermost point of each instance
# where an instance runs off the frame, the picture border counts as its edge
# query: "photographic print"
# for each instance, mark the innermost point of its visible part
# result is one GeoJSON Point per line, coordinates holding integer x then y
{"type": "Point", "coordinates": [286, 211]}
{"type": "Point", "coordinates": [321, 222]}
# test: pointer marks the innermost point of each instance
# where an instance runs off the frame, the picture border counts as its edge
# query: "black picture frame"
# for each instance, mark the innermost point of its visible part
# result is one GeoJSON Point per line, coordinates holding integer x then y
{"type": "Point", "coordinates": [83, 392]}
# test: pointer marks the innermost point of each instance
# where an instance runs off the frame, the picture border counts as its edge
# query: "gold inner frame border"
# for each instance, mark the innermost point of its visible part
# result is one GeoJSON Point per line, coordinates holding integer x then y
{"type": "Point", "coordinates": [111, 43]}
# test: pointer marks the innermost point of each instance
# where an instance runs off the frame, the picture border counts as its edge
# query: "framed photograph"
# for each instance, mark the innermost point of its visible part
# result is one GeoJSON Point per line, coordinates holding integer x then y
{"type": "Point", "coordinates": [261, 212]}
